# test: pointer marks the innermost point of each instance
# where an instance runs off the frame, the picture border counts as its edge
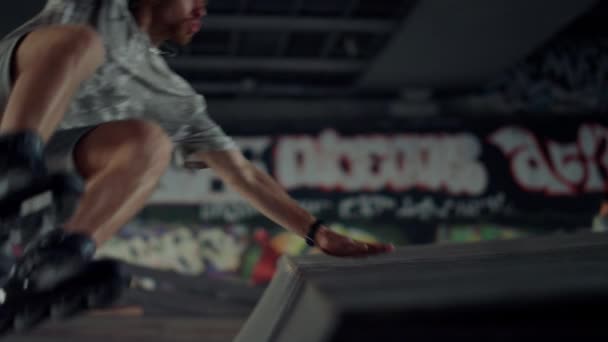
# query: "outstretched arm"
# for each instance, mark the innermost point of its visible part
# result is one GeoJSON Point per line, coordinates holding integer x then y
{"type": "Point", "coordinates": [267, 196]}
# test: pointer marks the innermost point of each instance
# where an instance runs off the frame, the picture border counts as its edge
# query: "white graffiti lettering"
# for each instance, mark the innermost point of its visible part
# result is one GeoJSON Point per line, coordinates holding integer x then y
{"type": "Point", "coordinates": [241, 210]}
{"type": "Point", "coordinates": [428, 208]}
{"type": "Point", "coordinates": [365, 206]}
{"type": "Point", "coordinates": [226, 211]}
{"type": "Point", "coordinates": [438, 163]}
{"type": "Point", "coordinates": [592, 138]}
{"type": "Point", "coordinates": [181, 250]}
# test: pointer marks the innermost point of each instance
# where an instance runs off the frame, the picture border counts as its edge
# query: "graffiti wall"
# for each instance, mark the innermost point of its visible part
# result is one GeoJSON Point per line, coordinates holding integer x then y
{"type": "Point", "coordinates": [437, 181]}
{"type": "Point", "coordinates": [248, 252]}
{"type": "Point", "coordinates": [251, 253]}
{"type": "Point", "coordinates": [506, 172]}
{"type": "Point", "coordinates": [441, 180]}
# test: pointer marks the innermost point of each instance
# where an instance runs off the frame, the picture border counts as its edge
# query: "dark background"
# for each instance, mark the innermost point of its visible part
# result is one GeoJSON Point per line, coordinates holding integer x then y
{"type": "Point", "coordinates": [296, 66]}
{"type": "Point", "coordinates": [272, 67]}
{"type": "Point", "coordinates": [364, 59]}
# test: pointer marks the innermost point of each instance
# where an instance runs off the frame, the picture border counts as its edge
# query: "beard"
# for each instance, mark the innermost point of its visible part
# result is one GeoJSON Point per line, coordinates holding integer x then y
{"type": "Point", "coordinates": [182, 39]}
{"type": "Point", "coordinates": [183, 33]}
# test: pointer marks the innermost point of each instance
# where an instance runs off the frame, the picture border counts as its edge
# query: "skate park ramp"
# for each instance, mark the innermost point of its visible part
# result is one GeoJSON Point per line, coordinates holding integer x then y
{"type": "Point", "coordinates": [538, 288]}
{"type": "Point", "coordinates": [535, 289]}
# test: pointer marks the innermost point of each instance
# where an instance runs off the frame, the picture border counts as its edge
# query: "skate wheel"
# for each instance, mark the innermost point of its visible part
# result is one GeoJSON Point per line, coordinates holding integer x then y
{"type": "Point", "coordinates": [104, 296]}
{"type": "Point", "coordinates": [66, 307]}
{"type": "Point", "coordinates": [29, 318]}
{"type": "Point", "coordinates": [98, 298]}
{"type": "Point", "coordinates": [6, 322]}
{"type": "Point", "coordinates": [111, 281]}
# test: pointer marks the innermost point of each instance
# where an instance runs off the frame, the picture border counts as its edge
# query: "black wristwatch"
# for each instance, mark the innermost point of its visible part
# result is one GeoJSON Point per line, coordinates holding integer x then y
{"type": "Point", "coordinates": [312, 232]}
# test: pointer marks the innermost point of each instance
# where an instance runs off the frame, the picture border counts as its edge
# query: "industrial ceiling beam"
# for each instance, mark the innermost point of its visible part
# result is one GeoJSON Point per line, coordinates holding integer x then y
{"type": "Point", "coordinates": [448, 44]}
{"type": "Point", "coordinates": [309, 24]}
{"type": "Point", "coordinates": [298, 65]}
{"type": "Point", "coordinates": [269, 89]}
{"type": "Point", "coordinates": [229, 111]}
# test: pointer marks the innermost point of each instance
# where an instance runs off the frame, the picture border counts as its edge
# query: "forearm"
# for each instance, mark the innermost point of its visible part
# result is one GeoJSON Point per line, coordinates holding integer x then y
{"type": "Point", "coordinates": [267, 196]}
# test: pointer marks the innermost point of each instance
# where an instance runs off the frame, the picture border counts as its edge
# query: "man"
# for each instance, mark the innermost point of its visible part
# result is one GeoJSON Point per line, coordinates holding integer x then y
{"type": "Point", "coordinates": [84, 79]}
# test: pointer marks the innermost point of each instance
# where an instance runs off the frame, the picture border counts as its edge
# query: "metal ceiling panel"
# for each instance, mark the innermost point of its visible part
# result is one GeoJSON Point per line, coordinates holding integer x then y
{"type": "Point", "coordinates": [447, 44]}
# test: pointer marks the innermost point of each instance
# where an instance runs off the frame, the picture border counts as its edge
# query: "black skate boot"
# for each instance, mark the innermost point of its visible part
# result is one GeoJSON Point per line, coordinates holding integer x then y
{"type": "Point", "coordinates": [29, 194]}
{"type": "Point", "coordinates": [24, 177]}
{"type": "Point", "coordinates": [54, 275]}
{"type": "Point", "coordinates": [21, 164]}
{"type": "Point", "coordinates": [57, 278]}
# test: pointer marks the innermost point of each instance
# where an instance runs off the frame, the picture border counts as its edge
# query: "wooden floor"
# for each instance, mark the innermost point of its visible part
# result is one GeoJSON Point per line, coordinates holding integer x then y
{"type": "Point", "coordinates": [149, 329]}
{"type": "Point", "coordinates": [180, 308]}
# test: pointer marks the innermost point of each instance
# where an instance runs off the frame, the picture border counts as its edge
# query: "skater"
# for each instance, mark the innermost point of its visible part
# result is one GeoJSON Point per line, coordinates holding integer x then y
{"type": "Point", "coordinates": [84, 89]}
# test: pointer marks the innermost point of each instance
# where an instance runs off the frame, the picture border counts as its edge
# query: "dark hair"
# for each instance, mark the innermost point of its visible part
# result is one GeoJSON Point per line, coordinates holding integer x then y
{"type": "Point", "coordinates": [133, 4]}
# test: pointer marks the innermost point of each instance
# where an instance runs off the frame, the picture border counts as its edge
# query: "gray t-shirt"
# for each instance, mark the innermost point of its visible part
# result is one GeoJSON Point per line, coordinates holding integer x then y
{"type": "Point", "coordinates": [135, 82]}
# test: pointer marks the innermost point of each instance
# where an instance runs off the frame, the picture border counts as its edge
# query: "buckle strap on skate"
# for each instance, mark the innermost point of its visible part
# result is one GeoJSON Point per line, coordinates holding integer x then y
{"type": "Point", "coordinates": [22, 150]}
{"type": "Point", "coordinates": [54, 256]}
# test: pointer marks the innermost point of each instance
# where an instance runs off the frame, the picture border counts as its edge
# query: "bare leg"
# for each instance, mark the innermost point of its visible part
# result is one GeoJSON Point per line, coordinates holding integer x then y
{"type": "Point", "coordinates": [49, 65]}
{"type": "Point", "coordinates": [122, 163]}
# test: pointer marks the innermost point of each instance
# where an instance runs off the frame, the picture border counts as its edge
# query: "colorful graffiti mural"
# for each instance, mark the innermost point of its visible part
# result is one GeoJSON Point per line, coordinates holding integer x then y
{"type": "Point", "coordinates": [500, 170]}
{"type": "Point", "coordinates": [229, 250]}
{"type": "Point", "coordinates": [480, 232]}
{"type": "Point", "coordinates": [251, 253]}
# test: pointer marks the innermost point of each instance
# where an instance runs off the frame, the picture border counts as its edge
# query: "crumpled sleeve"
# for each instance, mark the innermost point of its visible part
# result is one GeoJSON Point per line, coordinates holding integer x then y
{"type": "Point", "coordinates": [201, 134]}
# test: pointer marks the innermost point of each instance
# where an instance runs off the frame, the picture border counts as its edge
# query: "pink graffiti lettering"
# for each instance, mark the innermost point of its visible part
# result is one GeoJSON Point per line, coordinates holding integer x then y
{"type": "Point", "coordinates": [555, 168]}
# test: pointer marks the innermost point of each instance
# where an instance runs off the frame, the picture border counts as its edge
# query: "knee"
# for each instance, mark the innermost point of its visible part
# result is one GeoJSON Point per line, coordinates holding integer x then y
{"type": "Point", "coordinates": [148, 147]}
{"type": "Point", "coordinates": [137, 146]}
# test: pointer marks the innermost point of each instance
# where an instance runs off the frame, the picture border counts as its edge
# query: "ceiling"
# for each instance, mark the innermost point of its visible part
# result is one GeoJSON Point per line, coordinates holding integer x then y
{"type": "Point", "coordinates": [320, 48]}
{"type": "Point", "coordinates": [350, 56]}
{"type": "Point", "coordinates": [289, 46]}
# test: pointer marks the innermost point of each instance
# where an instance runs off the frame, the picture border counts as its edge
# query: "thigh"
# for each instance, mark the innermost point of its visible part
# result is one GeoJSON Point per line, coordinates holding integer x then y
{"type": "Point", "coordinates": [60, 150]}
{"type": "Point", "coordinates": [82, 150]}
{"type": "Point", "coordinates": [21, 52]}
{"type": "Point", "coordinates": [7, 51]}
{"type": "Point", "coordinates": [51, 43]}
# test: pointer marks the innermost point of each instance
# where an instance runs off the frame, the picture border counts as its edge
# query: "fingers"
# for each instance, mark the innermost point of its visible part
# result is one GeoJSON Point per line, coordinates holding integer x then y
{"type": "Point", "coordinates": [368, 249]}
{"type": "Point", "coordinates": [339, 245]}
{"type": "Point", "coordinates": [376, 248]}
{"type": "Point", "coordinates": [349, 248]}
{"type": "Point", "coordinates": [361, 249]}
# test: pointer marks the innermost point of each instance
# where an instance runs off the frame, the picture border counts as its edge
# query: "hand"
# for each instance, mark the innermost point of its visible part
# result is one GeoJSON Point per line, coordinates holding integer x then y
{"type": "Point", "coordinates": [335, 244]}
